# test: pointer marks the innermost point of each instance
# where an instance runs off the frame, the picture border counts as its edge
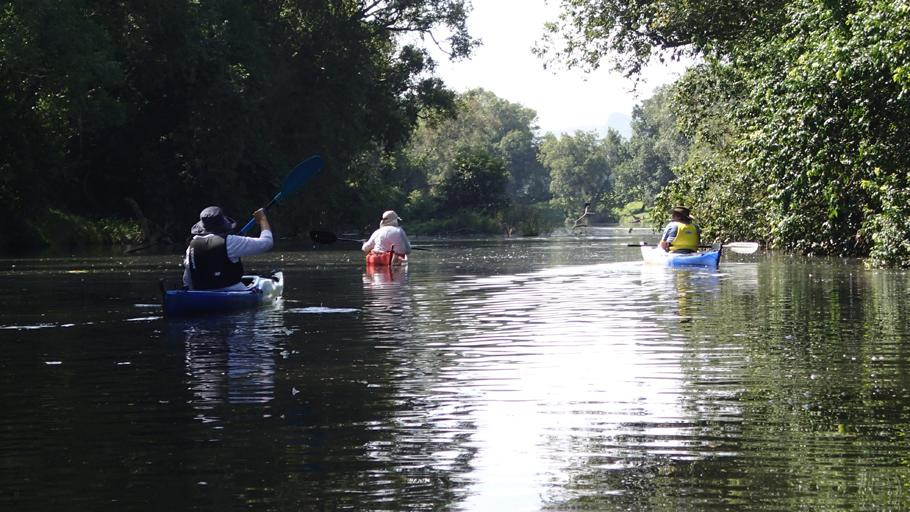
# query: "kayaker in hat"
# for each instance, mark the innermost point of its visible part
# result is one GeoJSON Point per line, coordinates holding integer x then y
{"type": "Point", "coordinates": [388, 245]}
{"type": "Point", "coordinates": [681, 235]}
{"type": "Point", "coordinates": [212, 259]}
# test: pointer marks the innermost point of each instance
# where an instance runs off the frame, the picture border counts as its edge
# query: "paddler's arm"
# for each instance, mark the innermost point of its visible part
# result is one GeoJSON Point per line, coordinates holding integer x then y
{"type": "Point", "coordinates": [187, 277]}
{"type": "Point", "coordinates": [369, 244]}
{"type": "Point", "coordinates": [240, 246]}
{"type": "Point", "coordinates": [406, 243]}
{"type": "Point", "coordinates": [668, 235]}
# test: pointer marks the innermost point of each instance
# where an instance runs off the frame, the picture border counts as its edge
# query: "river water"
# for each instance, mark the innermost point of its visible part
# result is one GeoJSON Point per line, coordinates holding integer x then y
{"type": "Point", "coordinates": [500, 374]}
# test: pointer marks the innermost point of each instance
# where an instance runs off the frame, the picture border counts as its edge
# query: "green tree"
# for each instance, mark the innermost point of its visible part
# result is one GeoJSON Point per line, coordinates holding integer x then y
{"type": "Point", "coordinates": [581, 167]}
{"type": "Point", "coordinates": [152, 110]}
{"type": "Point", "coordinates": [655, 148]}
{"type": "Point", "coordinates": [476, 180]}
{"type": "Point", "coordinates": [483, 121]}
{"type": "Point", "coordinates": [799, 117]}
{"type": "Point", "coordinates": [633, 33]}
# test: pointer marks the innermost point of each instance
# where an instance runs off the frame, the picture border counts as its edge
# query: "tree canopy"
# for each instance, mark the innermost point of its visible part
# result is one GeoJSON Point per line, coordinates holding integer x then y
{"type": "Point", "coordinates": [582, 167]}
{"type": "Point", "coordinates": [157, 109]}
{"type": "Point", "coordinates": [482, 121]}
{"type": "Point", "coordinates": [798, 113]}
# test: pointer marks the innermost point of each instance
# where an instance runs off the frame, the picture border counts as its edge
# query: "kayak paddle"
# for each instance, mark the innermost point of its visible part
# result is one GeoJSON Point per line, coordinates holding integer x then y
{"type": "Point", "coordinates": [742, 247]}
{"type": "Point", "coordinates": [327, 237]}
{"type": "Point", "coordinates": [737, 247]}
{"type": "Point", "coordinates": [297, 177]}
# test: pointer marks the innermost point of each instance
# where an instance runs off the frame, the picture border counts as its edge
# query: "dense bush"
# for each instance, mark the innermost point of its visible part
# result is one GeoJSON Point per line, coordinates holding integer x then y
{"type": "Point", "coordinates": [799, 114]}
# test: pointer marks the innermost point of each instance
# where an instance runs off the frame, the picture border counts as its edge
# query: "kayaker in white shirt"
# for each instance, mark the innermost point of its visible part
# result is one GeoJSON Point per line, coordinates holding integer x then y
{"type": "Point", "coordinates": [212, 260]}
{"type": "Point", "coordinates": [389, 235]}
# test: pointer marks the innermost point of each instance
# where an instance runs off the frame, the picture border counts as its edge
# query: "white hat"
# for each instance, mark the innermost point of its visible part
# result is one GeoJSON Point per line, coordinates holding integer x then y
{"type": "Point", "coordinates": [390, 218]}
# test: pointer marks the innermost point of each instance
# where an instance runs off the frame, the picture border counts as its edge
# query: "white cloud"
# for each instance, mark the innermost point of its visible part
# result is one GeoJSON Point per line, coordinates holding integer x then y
{"type": "Point", "coordinates": [565, 101]}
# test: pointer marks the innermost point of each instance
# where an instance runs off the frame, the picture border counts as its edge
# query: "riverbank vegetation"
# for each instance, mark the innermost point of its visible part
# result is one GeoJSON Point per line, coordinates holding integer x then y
{"type": "Point", "coordinates": [151, 110]}
{"type": "Point", "coordinates": [799, 112]}
{"type": "Point", "coordinates": [791, 128]}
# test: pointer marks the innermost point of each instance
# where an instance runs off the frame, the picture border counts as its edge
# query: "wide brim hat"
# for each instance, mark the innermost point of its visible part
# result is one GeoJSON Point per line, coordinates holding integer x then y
{"type": "Point", "coordinates": [682, 211]}
{"type": "Point", "coordinates": [390, 218]}
{"type": "Point", "coordinates": [212, 221]}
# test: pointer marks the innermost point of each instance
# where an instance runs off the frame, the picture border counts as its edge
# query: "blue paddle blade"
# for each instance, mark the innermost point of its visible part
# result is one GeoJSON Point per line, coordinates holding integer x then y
{"type": "Point", "coordinates": [301, 174]}
{"type": "Point", "coordinates": [296, 178]}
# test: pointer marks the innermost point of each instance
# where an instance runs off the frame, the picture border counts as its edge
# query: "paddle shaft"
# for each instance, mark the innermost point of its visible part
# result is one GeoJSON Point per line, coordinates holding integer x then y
{"type": "Point", "coordinates": [738, 247]}
{"type": "Point", "coordinates": [645, 244]}
{"type": "Point", "coordinates": [299, 175]}
{"type": "Point", "coordinates": [327, 237]}
{"type": "Point", "coordinates": [252, 221]}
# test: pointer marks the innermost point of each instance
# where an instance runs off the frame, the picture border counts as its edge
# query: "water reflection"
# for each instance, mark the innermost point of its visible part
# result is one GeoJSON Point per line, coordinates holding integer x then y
{"type": "Point", "coordinates": [229, 361]}
{"type": "Point", "coordinates": [582, 375]}
{"type": "Point", "coordinates": [496, 374]}
{"type": "Point", "coordinates": [388, 304]}
{"type": "Point", "coordinates": [549, 356]}
{"type": "Point", "coordinates": [377, 280]}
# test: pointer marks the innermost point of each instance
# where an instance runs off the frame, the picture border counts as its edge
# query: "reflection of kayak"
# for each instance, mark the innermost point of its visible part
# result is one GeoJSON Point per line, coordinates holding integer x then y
{"type": "Point", "coordinates": [381, 276]}
{"type": "Point", "coordinates": [260, 290]}
{"type": "Point", "coordinates": [657, 256]}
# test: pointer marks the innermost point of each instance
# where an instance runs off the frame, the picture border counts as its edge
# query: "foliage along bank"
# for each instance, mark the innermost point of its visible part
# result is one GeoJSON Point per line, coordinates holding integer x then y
{"type": "Point", "coordinates": [130, 117]}
{"type": "Point", "coordinates": [483, 168]}
{"type": "Point", "coordinates": [152, 110]}
{"type": "Point", "coordinates": [799, 113]}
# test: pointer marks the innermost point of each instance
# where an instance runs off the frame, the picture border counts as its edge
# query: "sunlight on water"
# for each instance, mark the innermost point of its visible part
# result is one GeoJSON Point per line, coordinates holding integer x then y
{"type": "Point", "coordinates": [513, 374]}
{"type": "Point", "coordinates": [318, 310]}
{"type": "Point", "coordinates": [549, 359]}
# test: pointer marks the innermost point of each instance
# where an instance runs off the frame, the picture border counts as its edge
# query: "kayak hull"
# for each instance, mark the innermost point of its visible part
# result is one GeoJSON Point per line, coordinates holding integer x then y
{"type": "Point", "coordinates": [657, 256]}
{"type": "Point", "coordinates": [261, 290]}
{"type": "Point", "coordinates": [385, 259]}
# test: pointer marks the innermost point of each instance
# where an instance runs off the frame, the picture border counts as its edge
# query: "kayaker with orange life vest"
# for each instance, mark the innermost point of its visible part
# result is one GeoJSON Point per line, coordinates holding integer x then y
{"type": "Point", "coordinates": [388, 245]}
{"type": "Point", "coordinates": [681, 235]}
{"type": "Point", "coordinates": [212, 259]}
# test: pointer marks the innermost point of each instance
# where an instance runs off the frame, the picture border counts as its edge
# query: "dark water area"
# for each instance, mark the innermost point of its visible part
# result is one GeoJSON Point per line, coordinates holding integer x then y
{"type": "Point", "coordinates": [502, 374]}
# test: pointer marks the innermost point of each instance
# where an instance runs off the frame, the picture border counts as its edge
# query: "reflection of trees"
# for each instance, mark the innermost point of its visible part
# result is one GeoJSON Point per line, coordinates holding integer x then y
{"type": "Point", "coordinates": [358, 425]}
{"type": "Point", "coordinates": [327, 410]}
{"type": "Point", "coordinates": [795, 392]}
{"type": "Point", "coordinates": [429, 430]}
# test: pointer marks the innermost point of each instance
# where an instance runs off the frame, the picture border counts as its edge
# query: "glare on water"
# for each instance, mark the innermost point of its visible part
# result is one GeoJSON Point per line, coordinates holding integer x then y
{"type": "Point", "coordinates": [492, 374]}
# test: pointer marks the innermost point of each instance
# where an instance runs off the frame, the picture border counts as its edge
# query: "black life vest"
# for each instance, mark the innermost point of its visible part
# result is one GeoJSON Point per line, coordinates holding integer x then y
{"type": "Point", "coordinates": [210, 267]}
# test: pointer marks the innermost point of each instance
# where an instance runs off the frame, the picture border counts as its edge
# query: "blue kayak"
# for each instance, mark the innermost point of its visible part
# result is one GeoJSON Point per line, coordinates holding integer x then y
{"type": "Point", "coordinates": [657, 256]}
{"type": "Point", "coordinates": [260, 291]}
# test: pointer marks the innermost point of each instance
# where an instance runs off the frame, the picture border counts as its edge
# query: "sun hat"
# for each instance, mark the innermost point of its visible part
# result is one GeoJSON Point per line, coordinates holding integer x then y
{"type": "Point", "coordinates": [212, 221]}
{"type": "Point", "coordinates": [390, 218]}
{"type": "Point", "coordinates": [682, 211]}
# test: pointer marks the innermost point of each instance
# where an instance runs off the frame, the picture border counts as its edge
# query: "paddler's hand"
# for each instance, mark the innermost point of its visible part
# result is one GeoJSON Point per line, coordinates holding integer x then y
{"type": "Point", "coordinates": [263, 221]}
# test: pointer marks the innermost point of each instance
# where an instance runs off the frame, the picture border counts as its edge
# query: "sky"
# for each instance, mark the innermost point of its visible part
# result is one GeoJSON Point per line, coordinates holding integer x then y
{"type": "Point", "coordinates": [565, 100]}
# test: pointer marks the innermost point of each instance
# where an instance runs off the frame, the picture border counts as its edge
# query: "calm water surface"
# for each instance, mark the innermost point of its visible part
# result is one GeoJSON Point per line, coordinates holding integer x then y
{"type": "Point", "coordinates": [523, 374]}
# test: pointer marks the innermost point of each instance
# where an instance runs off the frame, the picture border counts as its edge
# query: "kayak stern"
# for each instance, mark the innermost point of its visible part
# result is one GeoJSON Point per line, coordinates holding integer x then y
{"type": "Point", "coordinates": [657, 256]}
{"type": "Point", "coordinates": [260, 290]}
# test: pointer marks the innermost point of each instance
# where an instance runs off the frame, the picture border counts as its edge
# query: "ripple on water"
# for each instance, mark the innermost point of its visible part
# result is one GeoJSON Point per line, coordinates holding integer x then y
{"type": "Point", "coordinates": [603, 386]}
